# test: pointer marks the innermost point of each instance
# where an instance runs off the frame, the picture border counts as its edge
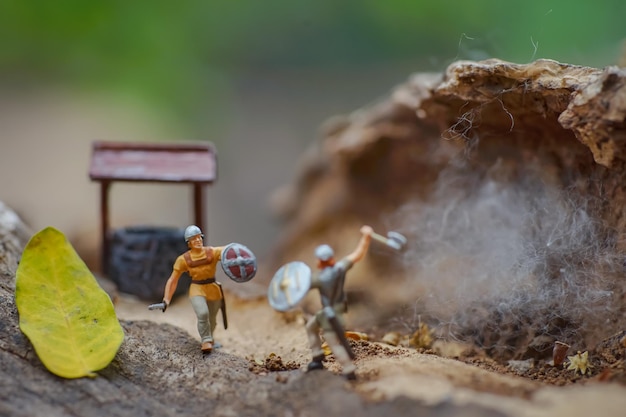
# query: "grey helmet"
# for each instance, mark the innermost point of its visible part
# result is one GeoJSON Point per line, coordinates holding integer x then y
{"type": "Point", "coordinates": [324, 252]}
{"type": "Point", "coordinates": [192, 231]}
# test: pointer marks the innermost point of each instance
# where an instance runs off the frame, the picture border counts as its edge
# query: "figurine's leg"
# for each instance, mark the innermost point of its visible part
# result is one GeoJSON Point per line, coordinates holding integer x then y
{"type": "Point", "coordinates": [340, 354]}
{"type": "Point", "coordinates": [214, 307]}
{"type": "Point", "coordinates": [201, 308]}
{"type": "Point", "coordinates": [315, 343]}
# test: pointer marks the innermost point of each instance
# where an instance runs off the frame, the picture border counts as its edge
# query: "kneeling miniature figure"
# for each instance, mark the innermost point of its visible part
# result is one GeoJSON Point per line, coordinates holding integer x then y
{"type": "Point", "coordinates": [293, 280]}
{"type": "Point", "coordinates": [205, 293]}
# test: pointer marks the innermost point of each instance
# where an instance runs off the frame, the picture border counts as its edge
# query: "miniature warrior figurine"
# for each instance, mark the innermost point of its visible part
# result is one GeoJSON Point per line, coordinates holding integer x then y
{"type": "Point", "coordinates": [206, 295]}
{"type": "Point", "coordinates": [330, 320]}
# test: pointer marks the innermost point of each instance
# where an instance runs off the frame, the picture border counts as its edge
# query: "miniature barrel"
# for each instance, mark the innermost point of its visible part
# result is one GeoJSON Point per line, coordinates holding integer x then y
{"type": "Point", "coordinates": [142, 258]}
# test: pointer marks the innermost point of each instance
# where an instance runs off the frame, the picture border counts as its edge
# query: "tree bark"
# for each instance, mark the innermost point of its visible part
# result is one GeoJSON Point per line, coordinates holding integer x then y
{"type": "Point", "coordinates": [457, 160]}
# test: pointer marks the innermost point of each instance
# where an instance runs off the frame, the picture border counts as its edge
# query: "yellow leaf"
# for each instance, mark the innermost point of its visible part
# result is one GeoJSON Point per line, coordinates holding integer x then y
{"type": "Point", "coordinates": [63, 311]}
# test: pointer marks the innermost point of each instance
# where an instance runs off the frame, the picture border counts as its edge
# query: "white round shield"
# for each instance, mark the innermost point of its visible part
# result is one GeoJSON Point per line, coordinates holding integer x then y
{"type": "Point", "coordinates": [289, 285]}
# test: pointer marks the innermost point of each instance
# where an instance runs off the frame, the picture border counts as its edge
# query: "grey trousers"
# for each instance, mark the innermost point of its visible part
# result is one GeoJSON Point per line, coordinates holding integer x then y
{"type": "Point", "coordinates": [319, 322]}
{"type": "Point", "coordinates": [206, 311]}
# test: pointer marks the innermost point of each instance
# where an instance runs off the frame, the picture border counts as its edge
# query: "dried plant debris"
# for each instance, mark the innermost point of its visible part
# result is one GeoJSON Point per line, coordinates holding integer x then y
{"type": "Point", "coordinates": [362, 349]}
{"type": "Point", "coordinates": [605, 363]}
{"type": "Point", "coordinates": [271, 363]}
{"type": "Point", "coordinates": [419, 339]}
{"type": "Point", "coordinates": [521, 366]}
{"type": "Point", "coordinates": [357, 335]}
{"type": "Point", "coordinates": [454, 349]}
{"type": "Point", "coordinates": [392, 338]}
{"type": "Point", "coordinates": [579, 362]}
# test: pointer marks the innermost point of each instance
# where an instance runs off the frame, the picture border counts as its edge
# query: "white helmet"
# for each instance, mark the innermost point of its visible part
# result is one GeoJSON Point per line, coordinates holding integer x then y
{"type": "Point", "coordinates": [192, 231]}
{"type": "Point", "coordinates": [324, 252]}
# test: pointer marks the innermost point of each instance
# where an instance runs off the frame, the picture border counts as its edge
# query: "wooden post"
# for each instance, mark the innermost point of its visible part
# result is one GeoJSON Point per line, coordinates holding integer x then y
{"type": "Point", "coordinates": [198, 207]}
{"type": "Point", "coordinates": [104, 224]}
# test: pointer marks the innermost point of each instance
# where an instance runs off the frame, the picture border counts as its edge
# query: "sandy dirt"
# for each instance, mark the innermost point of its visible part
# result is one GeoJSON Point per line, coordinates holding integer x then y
{"type": "Point", "coordinates": [386, 373]}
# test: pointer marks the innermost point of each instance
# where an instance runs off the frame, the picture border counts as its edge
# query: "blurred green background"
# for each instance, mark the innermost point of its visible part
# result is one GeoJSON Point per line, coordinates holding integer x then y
{"type": "Point", "coordinates": [180, 58]}
{"type": "Point", "coordinates": [257, 77]}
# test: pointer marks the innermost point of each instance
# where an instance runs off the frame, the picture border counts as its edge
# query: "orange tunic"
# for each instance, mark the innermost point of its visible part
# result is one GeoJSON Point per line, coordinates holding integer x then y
{"type": "Point", "coordinates": [206, 270]}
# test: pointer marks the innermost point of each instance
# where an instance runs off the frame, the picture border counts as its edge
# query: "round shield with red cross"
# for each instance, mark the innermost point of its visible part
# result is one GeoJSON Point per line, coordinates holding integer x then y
{"type": "Point", "coordinates": [238, 262]}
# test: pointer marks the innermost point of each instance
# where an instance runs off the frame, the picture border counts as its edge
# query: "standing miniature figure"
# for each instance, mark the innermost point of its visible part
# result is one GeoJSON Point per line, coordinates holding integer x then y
{"type": "Point", "coordinates": [330, 319]}
{"type": "Point", "coordinates": [293, 280]}
{"type": "Point", "coordinates": [205, 293]}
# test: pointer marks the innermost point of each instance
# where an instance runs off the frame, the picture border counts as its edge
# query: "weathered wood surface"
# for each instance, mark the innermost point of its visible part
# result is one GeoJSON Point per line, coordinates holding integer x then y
{"type": "Point", "coordinates": [159, 371]}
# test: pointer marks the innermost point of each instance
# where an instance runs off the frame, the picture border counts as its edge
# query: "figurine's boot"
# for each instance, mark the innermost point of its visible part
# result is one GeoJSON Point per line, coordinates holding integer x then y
{"type": "Point", "coordinates": [341, 355]}
{"type": "Point", "coordinates": [350, 373]}
{"type": "Point", "coordinates": [316, 363]}
{"type": "Point", "coordinates": [207, 347]}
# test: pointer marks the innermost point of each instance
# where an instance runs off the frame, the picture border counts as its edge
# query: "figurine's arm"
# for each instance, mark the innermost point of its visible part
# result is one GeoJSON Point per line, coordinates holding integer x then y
{"type": "Point", "coordinates": [363, 245]}
{"type": "Point", "coordinates": [170, 287]}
